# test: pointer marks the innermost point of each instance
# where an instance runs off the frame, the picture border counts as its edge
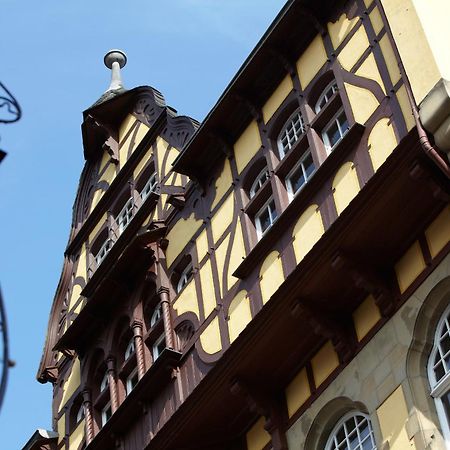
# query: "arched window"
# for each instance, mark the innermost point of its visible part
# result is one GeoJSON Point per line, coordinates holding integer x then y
{"type": "Point", "coordinates": [439, 373]}
{"type": "Point", "coordinates": [326, 95]}
{"type": "Point", "coordinates": [262, 177]}
{"type": "Point", "coordinates": [353, 431]}
{"type": "Point", "coordinates": [156, 316]}
{"type": "Point", "coordinates": [185, 277]}
{"type": "Point", "coordinates": [291, 132]}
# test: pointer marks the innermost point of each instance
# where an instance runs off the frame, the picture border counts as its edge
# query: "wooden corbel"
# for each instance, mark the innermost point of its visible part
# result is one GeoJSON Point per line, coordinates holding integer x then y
{"type": "Point", "coordinates": [339, 330]}
{"type": "Point", "coordinates": [112, 148]}
{"type": "Point", "coordinates": [251, 107]}
{"type": "Point", "coordinates": [367, 278]}
{"type": "Point", "coordinates": [436, 185]}
{"type": "Point", "coordinates": [222, 141]}
{"type": "Point", "coordinates": [177, 200]}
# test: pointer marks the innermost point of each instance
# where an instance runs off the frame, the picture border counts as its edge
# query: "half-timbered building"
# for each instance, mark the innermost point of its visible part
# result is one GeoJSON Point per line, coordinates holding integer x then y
{"type": "Point", "coordinates": [278, 276]}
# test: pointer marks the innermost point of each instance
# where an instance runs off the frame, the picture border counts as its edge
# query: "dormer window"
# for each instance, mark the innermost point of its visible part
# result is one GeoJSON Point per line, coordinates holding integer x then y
{"type": "Point", "coordinates": [265, 217]}
{"type": "Point", "coordinates": [335, 130]}
{"type": "Point", "coordinates": [149, 187]}
{"type": "Point", "coordinates": [259, 181]}
{"type": "Point", "coordinates": [326, 95]}
{"type": "Point", "coordinates": [291, 132]}
{"type": "Point", "coordinates": [125, 215]}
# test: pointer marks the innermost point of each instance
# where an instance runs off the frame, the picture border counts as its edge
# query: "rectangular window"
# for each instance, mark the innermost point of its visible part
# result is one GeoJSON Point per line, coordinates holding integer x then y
{"type": "Point", "coordinates": [132, 381]}
{"type": "Point", "coordinates": [335, 131]}
{"type": "Point", "coordinates": [158, 347]}
{"type": "Point", "coordinates": [106, 413]}
{"type": "Point", "coordinates": [300, 175]}
{"type": "Point", "coordinates": [125, 216]}
{"type": "Point", "coordinates": [265, 217]}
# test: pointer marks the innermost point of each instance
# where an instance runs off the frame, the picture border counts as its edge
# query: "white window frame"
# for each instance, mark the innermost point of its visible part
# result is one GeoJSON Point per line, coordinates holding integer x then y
{"type": "Point", "coordinates": [185, 277]}
{"type": "Point", "coordinates": [126, 214]}
{"type": "Point", "coordinates": [105, 418]}
{"type": "Point", "coordinates": [326, 140]}
{"type": "Point", "coordinates": [104, 250]}
{"type": "Point", "coordinates": [130, 350]}
{"type": "Point", "coordinates": [262, 177]}
{"type": "Point", "coordinates": [156, 315]}
{"type": "Point", "coordinates": [149, 187]}
{"type": "Point", "coordinates": [333, 87]}
{"type": "Point", "coordinates": [129, 383]}
{"type": "Point", "coordinates": [290, 190]}
{"type": "Point", "coordinates": [104, 384]}
{"type": "Point", "coordinates": [155, 351]}
{"type": "Point", "coordinates": [272, 216]}
{"type": "Point", "coordinates": [284, 133]}
{"type": "Point", "coordinates": [440, 387]}
{"type": "Point", "coordinates": [331, 442]}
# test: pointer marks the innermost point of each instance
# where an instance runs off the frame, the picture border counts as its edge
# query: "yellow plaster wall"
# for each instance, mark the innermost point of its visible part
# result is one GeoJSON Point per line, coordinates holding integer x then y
{"type": "Point", "coordinates": [405, 106]}
{"type": "Point", "coordinates": [412, 43]}
{"type": "Point", "coordinates": [202, 245]}
{"type": "Point", "coordinates": [161, 149]}
{"type": "Point", "coordinates": [409, 266]}
{"type": "Point", "coordinates": [247, 145]}
{"type": "Point", "coordinates": [390, 59]}
{"type": "Point", "coordinates": [74, 296]}
{"type": "Point", "coordinates": [345, 186]}
{"type": "Point", "coordinates": [76, 438]}
{"type": "Point", "coordinates": [97, 228]}
{"type": "Point", "coordinates": [237, 254]}
{"type": "Point", "coordinates": [392, 416]}
{"type": "Point", "coordinates": [172, 156]}
{"type": "Point", "coordinates": [222, 218]}
{"type": "Point", "coordinates": [297, 392]}
{"type": "Point", "coordinates": [365, 317]}
{"type": "Point", "coordinates": [311, 61]}
{"type": "Point", "coordinates": [340, 29]}
{"type": "Point", "coordinates": [223, 183]}
{"type": "Point", "coordinates": [104, 161]}
{"type": "Point", "coordinates": [257, 437]}
{"type": "Point", "coordinates": [362, 101]}
{"type": "Point", "coordinates": [239, 315]}
{"type": "Point", "coordinates": [180, 235]}
{"type": "Point", "coordinates": [141, 164]}
{"type": "Point", "coordinates": [207, 285]}
{"type": "Point", "coordinates": [81, 263]}
{"type": "Point", "coordinates": [124, 147]}
{"type": "Point", "coordinates": [277, 98]}
{"type": "Point", "coordinates": [271, 275]}
{"type": "Point", "coordinates": [72, 383]}
{"type": "Point", "coordinates": [369, 69]}
{"type": "Point", "coordinates": [221, 253]}
{"type": "Point", "coordinates": [210, 338]}
{"type": "Point", "coordinates": [98, 194]}
{"type": "Point", "coordinates": [438, 233]}
{"type": "Point", "coordinates": [125, 126]}
{"type": "Point", "coordinates": [307, 231]}
{"type": "Point", "coordinates": [187, 300]}
{"type": "Point", "coordinates": [354, 49]}
{"type": "Point", "coordinates": [382, 142]}
{"type": "Point", "coordinates": [377, 21]}
{"type": "Point", "coordinates": [324, 362]}
{"type": "Point", "coordinates": [61, 428]}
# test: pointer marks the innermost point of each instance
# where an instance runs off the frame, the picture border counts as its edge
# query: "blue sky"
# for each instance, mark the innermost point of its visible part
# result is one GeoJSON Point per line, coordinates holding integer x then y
{"type": "Point", "coordinates": [51, 59]}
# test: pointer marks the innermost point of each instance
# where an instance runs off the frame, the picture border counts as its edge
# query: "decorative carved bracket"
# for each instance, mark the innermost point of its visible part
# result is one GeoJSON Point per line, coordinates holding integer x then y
{"type": "Point", "coordinates": [177, 200]}
{"type": "Point", "coordinates": [112, 148]}
{"type": "Point", "coordinates": [439, 188]}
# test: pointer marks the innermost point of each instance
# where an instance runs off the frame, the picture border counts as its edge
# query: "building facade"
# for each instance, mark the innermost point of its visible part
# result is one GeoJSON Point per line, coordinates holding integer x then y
{"type": "Point", "coordinates": [277, 277]}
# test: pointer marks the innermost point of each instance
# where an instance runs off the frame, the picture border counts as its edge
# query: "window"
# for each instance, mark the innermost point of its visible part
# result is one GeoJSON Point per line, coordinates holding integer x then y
{"type": "Point", "coordinates": [80, 414]}
{"type": "Point", "coordinates": [125, 215]}
{"type": "Point", "coordinates": [149, 187]}
{"type": "Point", "coordinates": [259, 181]}
{"type": "Point", "coordinates": [185, 277]}
{"type": "Point", "coordinates": [439, 373]}
{"type": "Point", "coordinates": [132, 380]}
{"type": "Point", "coordinates": [158, 347]}
{"type": "Point", "coordinates": [265, 217]}
{"type": "Point", "coordinates": [104, 250]}
{"type": "Point", "coordinates": [301, 173]}
{"type": "Point", "coordinates": [130, 349]}
{"type": "Point", "coordinates": [335, 130]}
{"type": "Point", "coordinates": [353, 432]}
{"type": "Point", "coordinates": [156, 316]}
{"type": "Point", "coordinates": [291, 133]}
{"type": "Point", "coordinates": [104, 383]}
{"type": "Point", "coordinates": [106, 413]}
{"type": "Point", "coordinates": [326, 95]}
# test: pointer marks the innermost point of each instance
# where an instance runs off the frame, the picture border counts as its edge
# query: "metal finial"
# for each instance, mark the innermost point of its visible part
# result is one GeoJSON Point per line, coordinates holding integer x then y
{"type": "Point", "coordinates": [115, 60]}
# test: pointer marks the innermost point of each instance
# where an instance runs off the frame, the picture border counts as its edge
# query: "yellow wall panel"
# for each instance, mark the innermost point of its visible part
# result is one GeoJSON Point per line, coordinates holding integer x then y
{"type": "Point", "coordinates": [221, 253]}
{"type": "Point", "coordinates": [277, 98]}
{"type": "Point", "coordinates": [161, 149]}
{"type": "Point", "coordinates": [222, 218]}
{"type": "Point", "coordinates": [345, 186]}
{"type": "Point", "coordinates": [109, 174]}
{"type": "Point", "coordinates": [390, 59]}
{"type": "Point", "coordinates": [187, 300]}
{"type": "Point", "coordinates": [105, 158]}
{"type": "Point", "coordinates": [207, 284]}
{"type": "Point", "coordinates": [223, 183]}
{"type": "Point", "coordinates": [210, 338]}
{"type": "Point", "coordinates": [354, 49]}
{"type": "Point", "coordinates": [324, 362]}
{"type": "Point", "coordinates": [97, 228]}
{"type": "Point", "coordinates": [141, 164]}
{"type": "Point", "coordinates": [125, 126]}
{"type": "Point", "coordinates": [61, 428]}
{"type": "Point", "coordinates": [271, 275]}
{"type": "Point", "coordinates": [247, 145]}
{"type": "Point", "coordinates": [74, 296]}
{"type": "Point", "coordinates": [239, 315]}
{"type": "Point", "coordinates": [362, 101]}
{"type": "Point", "coordinates": [297, 392]}
{"type": "Point", "coordinates": [311, 61]}
{"type": "Point", "coordinates": [81, 266]}
{"type": "Point", "coordinates": [392, 416]}
{"type": "Point", "coordinates": [180, 235]}
{"type": "Point", "coordinates": [405, 106]}
{"type": "Point", "coordinates": [141, 132]}
{"type": "Point", "coordinates": [202, 245]}
{"type": "Point", "coordinates": [237, 255]}
{"type": "Point", "coordinates": [365, 317]}
{"type": "Point", "coordinates": [377, 21]}
{"type": "Point", "coordinates": [369, 70]}
{"type": "Point", "coordinates": [172, 156]}
{"type": "Point", "coordinates": [413, 45]}
{"type": "Point", "coordinates": [368, 2]}
{"type": "Point", "coordinates": [257, 437]}
{"type": "Point", "coordinates": [410, 266]}
{"type": "Point", "coordinates": [438, 233]}
{"type": "Point", "coordinates": [307, 231]}
{"type": "Point", "coordinates": [340, 29]}
{"type": "Point", "coordinates": [98, 194]}
{"type": "Point", "coordinates": [76, 438]}
{"type": "Point", "coordinates": [72, 383]}
{"type": "Point", "coordinates": [382, 142]}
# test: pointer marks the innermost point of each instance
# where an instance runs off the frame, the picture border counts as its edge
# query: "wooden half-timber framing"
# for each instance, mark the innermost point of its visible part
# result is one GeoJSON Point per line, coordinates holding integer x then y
{"type": "Point", "coordinates": [220, 317]}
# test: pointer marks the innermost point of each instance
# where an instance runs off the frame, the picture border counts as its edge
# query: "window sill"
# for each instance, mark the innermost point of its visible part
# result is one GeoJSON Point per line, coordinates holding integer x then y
{"type": "Point", "coordinates": [300, 201]}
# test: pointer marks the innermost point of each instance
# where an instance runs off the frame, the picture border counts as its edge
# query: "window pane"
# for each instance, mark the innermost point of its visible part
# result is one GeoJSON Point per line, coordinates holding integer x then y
{"type": "Point", "coordinates": [291, 133]}
{"type": "Point", "coordinates": [308, 164]}
{"type": "Point", "coordinates": [334, 134]}
{"type": "Point", "coordinates": [297, 180]}
{"type": "Point", "coordinates": [354, 434]}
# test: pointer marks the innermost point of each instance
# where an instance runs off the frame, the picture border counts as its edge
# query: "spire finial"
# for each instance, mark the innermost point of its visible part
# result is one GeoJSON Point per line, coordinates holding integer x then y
{"type": "Point", "coordinates": [115, 60]}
